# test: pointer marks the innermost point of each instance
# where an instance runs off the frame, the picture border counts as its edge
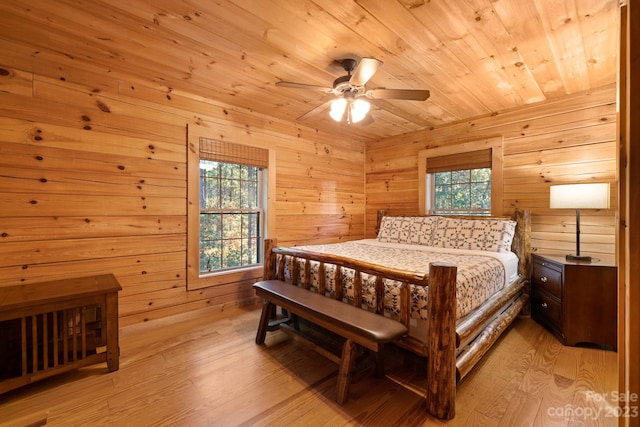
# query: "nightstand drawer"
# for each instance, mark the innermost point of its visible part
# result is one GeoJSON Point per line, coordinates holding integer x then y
{"type": "Point", "coordinates": [547, 309]}
{"type": "Point", "coordinates": [548, 278]}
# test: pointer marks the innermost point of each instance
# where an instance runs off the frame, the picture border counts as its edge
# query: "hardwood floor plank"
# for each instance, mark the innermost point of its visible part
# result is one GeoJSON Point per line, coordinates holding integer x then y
{"type": "Point", "coordinates": [565, 370]}
{"type": "Point", "coordinates": [204, 368]}
{"type": "Point", "coordinates": [536, 378]}
{"type": "Point", "coordinates": [521, 411]}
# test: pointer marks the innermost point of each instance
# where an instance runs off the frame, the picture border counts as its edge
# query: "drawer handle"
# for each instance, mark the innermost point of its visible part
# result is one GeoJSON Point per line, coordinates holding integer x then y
{"type": "Point", "coordinates": [544, 305]}
{"type": "Point", "coordinates": [544, 279]}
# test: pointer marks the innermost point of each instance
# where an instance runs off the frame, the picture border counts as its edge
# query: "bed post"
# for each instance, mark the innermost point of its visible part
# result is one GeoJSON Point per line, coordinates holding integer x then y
{"type": "Point", "coordinates": [381, 214]}
{"type": "Point", "coordinates": [521, 245]}
{"type": "Point", "coordinates": [441, 349]}
{"type": "Point", "coordinates": [269, 271]}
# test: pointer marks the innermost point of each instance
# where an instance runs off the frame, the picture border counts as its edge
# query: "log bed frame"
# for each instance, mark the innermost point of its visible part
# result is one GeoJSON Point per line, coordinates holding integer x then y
{"type": "Point", "coordinates": [453, 347]}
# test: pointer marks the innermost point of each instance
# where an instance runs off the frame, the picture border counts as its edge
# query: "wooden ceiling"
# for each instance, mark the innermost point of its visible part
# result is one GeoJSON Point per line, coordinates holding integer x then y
{"type": "Point", "coordinates": [477, 57]}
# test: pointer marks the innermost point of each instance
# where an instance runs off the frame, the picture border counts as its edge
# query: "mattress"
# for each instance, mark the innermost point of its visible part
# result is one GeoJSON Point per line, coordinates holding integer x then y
{"type": "Point", "coordinates": [480, 273]}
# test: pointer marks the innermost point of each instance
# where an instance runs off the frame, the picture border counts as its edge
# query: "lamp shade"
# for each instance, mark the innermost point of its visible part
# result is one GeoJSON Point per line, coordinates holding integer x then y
{"type": "Point", "coordinates": [580, 196]}
{"type": "Point", "coordinates": [359, 109]}
{"type": "Point", "coordinates": [355, 109]}
{"type": "Point", "coordinates": [337, 109]}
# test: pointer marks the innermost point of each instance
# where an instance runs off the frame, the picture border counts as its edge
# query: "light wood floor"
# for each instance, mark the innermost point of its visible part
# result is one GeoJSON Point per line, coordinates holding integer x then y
{"type": "Point", "coordinates": [204, 369]}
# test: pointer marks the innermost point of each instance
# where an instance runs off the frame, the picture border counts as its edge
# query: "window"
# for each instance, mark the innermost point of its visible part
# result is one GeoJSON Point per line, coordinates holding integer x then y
{"type": "Point", "coordinates": [231, 215]}
{"type": "Point", "coordinates": [228, 215]}
{"type": "Point", "coordinates": [460, 192]}
{"type": "Point", "coordinates": [462, 179]}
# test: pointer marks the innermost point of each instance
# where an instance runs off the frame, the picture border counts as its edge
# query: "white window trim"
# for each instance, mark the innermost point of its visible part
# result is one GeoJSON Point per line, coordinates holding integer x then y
{"type": "Point", "coordinates": [196, 280]}
{"type": "Point", "coordinates": [496, 146]}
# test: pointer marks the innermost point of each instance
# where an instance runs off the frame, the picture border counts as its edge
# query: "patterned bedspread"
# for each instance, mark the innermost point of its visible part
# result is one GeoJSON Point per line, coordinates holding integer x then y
{"type": "Point", "coordinates": [480, 274]}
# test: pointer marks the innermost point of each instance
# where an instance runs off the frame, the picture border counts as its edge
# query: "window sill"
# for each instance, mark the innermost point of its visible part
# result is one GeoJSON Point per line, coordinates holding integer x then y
{"type": "Point", "coordinates": [226, 277]}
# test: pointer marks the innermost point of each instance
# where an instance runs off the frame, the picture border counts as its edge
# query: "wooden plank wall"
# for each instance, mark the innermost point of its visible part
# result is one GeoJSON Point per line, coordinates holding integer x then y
{"type": "Point", "coordinates": [567, 141]}
{"type": "Point", "coordinates": [93, 180]}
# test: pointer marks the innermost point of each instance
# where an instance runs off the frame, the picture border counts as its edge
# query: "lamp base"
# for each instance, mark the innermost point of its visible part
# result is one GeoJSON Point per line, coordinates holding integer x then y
{"type": "Point", "coordinates": [579, 258]}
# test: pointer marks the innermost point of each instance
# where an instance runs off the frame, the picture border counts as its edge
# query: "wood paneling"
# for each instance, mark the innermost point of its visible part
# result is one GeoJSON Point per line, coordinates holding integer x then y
{"type": "Point", "coordinates": [94, 180]}
{"type": "Point", "coordinates": [567, 141]}
{"type": "Point", "coordinates": [476, 57]}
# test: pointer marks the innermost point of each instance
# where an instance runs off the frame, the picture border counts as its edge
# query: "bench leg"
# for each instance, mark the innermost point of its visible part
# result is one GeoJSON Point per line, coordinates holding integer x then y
{"type": "Point", "coordinates": [344, 373]}
{"type": "Point", "coordinates": [379, 357]}
{"type": "Point", "coordinates": [267, 310]}
{"type": "Point", "coordinates": [296, 321]}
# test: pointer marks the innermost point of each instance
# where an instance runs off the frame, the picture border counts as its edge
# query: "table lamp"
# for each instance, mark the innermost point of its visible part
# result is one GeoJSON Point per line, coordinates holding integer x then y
{"type": "Point", "coordinates": [579, 196]}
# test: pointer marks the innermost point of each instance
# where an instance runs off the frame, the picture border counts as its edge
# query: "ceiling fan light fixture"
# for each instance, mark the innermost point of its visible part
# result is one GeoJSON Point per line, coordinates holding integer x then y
{"type": "Point", "coordinates": [359, 110]}
{"type": "Point", "coordinates": [338, 107]}
{"type": "Point", "coordinates": [356, 109]}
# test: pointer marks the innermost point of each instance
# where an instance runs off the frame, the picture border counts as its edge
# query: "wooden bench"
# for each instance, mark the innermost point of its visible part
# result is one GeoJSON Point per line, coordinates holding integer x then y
{"type": "Point", "coordinates": [357, 326]}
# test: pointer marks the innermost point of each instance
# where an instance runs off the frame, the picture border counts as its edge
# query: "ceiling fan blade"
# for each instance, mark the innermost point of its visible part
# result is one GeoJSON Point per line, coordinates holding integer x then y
{"type": "Point", "coordinates": [320, 108]}
{"type": "Point", "coordinates": [304, 86]}
{"type": "Point", "coordinates": [366, 68]}
{"type": "Point", "coordinates": [408, 94]}
{"type": "Point", "coordinates": [367, 120]}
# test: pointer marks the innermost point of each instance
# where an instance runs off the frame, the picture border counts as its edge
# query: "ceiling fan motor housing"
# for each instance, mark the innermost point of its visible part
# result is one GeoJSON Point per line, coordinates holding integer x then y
{"type": "Point", "coordinates": [342, 85]}
{"type": "Point", "coordinates": [349, 64]}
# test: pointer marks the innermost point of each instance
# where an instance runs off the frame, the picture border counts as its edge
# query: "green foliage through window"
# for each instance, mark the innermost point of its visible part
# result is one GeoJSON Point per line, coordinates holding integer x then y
{"type": "Point", "coordinates": [461, 192]}
{"type": "Point", "coordinates": [230, 215]}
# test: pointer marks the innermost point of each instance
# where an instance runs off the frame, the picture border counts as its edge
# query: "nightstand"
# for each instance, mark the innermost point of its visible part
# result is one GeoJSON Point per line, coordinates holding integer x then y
{"type": "Point", "coordinates": [577, 301]}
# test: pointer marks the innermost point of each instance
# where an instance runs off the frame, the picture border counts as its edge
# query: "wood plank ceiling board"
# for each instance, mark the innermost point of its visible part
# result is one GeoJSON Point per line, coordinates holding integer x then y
{"type": "Point", "coordinates": [476, 57]}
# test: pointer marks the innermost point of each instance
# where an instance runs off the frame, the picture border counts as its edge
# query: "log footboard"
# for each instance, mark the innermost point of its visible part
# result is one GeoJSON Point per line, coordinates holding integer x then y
{"type": "Point", "coordinates": [441, 350]}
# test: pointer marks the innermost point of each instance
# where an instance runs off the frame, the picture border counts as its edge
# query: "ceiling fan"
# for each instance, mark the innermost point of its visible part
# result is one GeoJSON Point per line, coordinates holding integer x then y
{"type": "Point", "coordinates": [350, 91]}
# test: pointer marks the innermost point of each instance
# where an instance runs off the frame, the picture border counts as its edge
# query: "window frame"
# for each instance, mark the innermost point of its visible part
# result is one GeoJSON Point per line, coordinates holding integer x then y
{"type": "Point", "coordinates": [260, 210]}
{"type": "Point", "coordinates": [495, 144]}
{"type": "Point", "coordinates": [196, 280]}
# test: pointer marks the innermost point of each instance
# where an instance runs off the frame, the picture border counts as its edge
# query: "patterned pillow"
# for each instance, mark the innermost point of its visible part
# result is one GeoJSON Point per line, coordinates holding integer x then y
{"type": "Point", "coordinates": [385, 228]}
{"type": "Point", "coordinates": [404, 235]}
{"type": "Point", "coordinates": [395, 229]}
{"type": "Point", "coordinates": [423, 230]}
{"type": "Point", "coordinates": [417, 230]}
{"type": "Point", "coordinates": [484, 235]}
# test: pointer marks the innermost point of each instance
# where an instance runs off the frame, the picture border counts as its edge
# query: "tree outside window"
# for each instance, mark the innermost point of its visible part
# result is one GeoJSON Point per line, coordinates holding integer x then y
{"type": "Point", "coordinates": [461, 192]}
{"type": "Point", "coordinates": [231, 215]}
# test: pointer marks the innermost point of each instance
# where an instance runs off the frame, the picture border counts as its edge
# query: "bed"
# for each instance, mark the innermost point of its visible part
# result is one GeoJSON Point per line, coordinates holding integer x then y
{"type": "Point", "coordinates": [456, 282]}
